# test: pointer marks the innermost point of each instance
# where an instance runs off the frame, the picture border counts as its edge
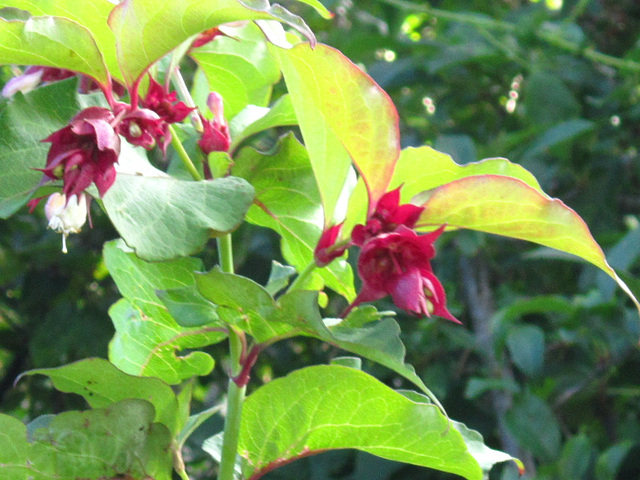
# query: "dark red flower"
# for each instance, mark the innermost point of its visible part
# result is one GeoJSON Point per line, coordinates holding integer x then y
{"type": "Point", "coordinates": [386, 217]}
{"type": "Point", "coordinates": [327, 250]}
{"type": "Point", "coordinates": [399, 264]}
{"type": "Point", "coordinates": [142, 127]}
{"type": "Point", "coordinates": [215, 136]}
{"type": "Point", "coordinates": [84, 151]}
{"type": "Point", "coordinates": [165, 103]}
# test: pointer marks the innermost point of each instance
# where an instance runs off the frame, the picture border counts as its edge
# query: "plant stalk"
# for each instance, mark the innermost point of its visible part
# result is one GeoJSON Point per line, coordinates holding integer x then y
{"type": "Point", "coordinates": [184, 156]}
{"type": "Point", "coordinates": [235, 394]}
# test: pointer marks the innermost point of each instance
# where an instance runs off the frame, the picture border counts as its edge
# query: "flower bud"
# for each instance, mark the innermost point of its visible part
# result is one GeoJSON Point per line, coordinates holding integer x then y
{"type": "Point", "coordinates": [66, 216]}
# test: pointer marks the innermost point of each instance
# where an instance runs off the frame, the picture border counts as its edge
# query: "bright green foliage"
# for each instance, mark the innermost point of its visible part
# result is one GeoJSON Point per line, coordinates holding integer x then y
{"type": "Point", "coordinates": [342, 114]}
{"type": "Point", "coordinates": [24, 123]}
{"type": "Point", "coordinates": [54, 42]}
{"type": "Point", "coordinates": [240, 68]}
{"type": "Point", "coordinates": [254, 119]}
{"type": "Point", "coordinates": [91, 14]}
{"type": "Point", "coordinates": [289, 203]}
{"type": "Point", "coordinates": [326, 407]}
{"type": "Point", "coordinates": [163, 218]}
{"type": "Point", "coordinates": [147, 337]}
{"type": "Point", "coordinates": [102, 384]}
{"type": "Point", "coordinates": [121, 439]}
{"type": "Point", "coordinates": [248, 306]}
{"type": "Point", "coordinates": [147, 30]}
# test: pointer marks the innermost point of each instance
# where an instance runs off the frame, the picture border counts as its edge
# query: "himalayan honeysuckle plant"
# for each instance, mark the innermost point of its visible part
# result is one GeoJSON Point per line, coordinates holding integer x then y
{"type": "Point", "coordinates": [154, 112]}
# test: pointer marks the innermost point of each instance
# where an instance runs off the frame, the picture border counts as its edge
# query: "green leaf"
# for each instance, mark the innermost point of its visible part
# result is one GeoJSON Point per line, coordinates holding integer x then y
{"type": "Point", "coordinates": [102, 384]}
{"type": "Point", "coordinates": [321, 408]}
{"type": "Point", "coordinates": [254, 119]}
{"type": "Point", "coordinates": [319, 7]}
{"type": "Point", "coordinates": [510, 207]}
{"type": "Point", "coordinates": [24, 122]}
{"type": "Point", "coordinates": [188, 307]}
{"type": "Point", "coordinates": [163, 218]}
{"type": "Point", "coordinates": [558, 134]}
{"type": "Point", "coordinates": [526, 346]}
{"type": "Point", "coordinates": [244, 304]}
{"type": "Point", "coordinates": [138, 26]}
{"type": "Point", "coordinates": [14, 449]}
{"type": "Point", "coordinates": [532, 423]}
{"type": "Point", "coordinates": [344, 115]}
{"type": "Point", "coordinates": [91, 14]}
{"type": "Point", "coordinates": [242, 71]}
{"type": "Point", "coordinates": [288, 202]}
{"type": "Point", "coordinates": [147, 337]}
{"type": "Point", "coordinates": [116, 441]}
{"type": "Point", "coordinates": [278, 277]}
{"type": "Point", "coordinates": [52, 42]}
{"type": "Point", "coordinates": [249, 306]}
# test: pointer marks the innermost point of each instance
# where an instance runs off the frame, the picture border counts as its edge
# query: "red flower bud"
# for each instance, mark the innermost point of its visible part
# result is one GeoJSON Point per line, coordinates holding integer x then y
{"type": "Point", "coordinates": [326, 250]}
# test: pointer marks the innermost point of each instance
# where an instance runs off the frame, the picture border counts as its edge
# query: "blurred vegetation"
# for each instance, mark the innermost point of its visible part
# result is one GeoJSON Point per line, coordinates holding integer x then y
{"type": "Point", "coordinates": [547, 365]}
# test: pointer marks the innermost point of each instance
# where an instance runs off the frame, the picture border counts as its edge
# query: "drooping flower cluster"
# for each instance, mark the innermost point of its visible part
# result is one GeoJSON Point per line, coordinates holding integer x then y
{"type": "Point", "coordinates": [394, 259]}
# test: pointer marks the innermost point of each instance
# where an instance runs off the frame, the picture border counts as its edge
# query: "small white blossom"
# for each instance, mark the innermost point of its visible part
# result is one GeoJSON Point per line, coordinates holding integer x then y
{"type": "Point", "coordinates": [66, 217]}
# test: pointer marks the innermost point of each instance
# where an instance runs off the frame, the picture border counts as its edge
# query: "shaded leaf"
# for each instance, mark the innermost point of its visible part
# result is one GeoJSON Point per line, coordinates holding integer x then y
{"type": "Point", "coordinates": [139, 24]}
{"type": "Point", "coordinates": [24, 122]}
{"type": "Point", "coordinates": [526, 346]}
{"type": "Point", "coordinates": [52, 42]}
{"type": "Point", "coordinates": [163, 218]}
{"type": "Point", "coordinates": [109, 442]}
{"type": "Point", "coordinates": [147, 337]}
{"type": "Point", "coordinates": [102, 384]}
{"type": "Point", "coordinates": [188, 307]}
{"type": "Point", "coordinates": [343, 114]}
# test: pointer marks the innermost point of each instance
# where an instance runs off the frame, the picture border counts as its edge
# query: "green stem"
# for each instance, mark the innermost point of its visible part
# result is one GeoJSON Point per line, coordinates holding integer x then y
{"type": "Point", "coordinates": [184, 156]}
{"type": "Point", "coordinates": [545, 35]}
{"type": "Point", "coordinates": [235, 395]}
{"type": "Point", "coordinates": [235, 399]}
{"type": "Point", "coordinates": [302, 277]}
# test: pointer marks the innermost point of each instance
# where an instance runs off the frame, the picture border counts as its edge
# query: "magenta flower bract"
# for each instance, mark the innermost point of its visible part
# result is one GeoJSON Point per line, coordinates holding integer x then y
{"type": "Point", "coordinates": [142, 127]}
{"type": "Point", "coordinates": [399, 264]}
{"type": "Point", "coordinates": [326, 250]}
{"type": "Point", "coordinates": [386, 217]}
{"type": "Point", "coordinates": [83, 152]}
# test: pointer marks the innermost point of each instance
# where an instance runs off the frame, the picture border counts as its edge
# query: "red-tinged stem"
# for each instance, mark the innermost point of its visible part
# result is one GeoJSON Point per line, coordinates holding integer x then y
{"type": "Point", "coordinates": [247, 362]}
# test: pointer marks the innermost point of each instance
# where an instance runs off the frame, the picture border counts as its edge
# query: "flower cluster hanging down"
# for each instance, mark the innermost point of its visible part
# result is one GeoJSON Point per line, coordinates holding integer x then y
{"type": "Point", "coordinates": [394, 260]}
{"type": "Point", "coordinates": [86, 151]}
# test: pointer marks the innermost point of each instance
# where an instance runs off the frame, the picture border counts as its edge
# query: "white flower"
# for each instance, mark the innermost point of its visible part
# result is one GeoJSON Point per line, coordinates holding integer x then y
{"type": "Point", "coordinates": [66, 217]}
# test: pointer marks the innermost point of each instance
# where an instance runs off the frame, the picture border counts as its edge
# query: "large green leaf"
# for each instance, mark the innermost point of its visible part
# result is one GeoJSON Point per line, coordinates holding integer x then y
{"type": "Point", "coordinates": [102, 384]}
{"type": "Point", "coordinates": [510, 207]}
{"type": "Point", "coordinates": [240, 68]}
{"type": "Point", "coordinates": [120, 440]}
{"type": "Point", "coordinates": [146, 30]}
{"type": "Point", "coordinates": [288, 202]}
{"type": "Point", "coordinates": [147, 337]}
{"type": "Point", "coordinates": [24, 122]}
{"type": "Point", "coordinates": [423, 168]}
{"type": "Point", "coordinates": [52, 42]}
{"type": "Point", "coordinates": [163, 218]}
{"type": "Point", "coordinates": [330, 407]}
{"type": "Point", "coordinates": [251, 308]}
{"type": "Point", "coordinates": [344, 115]}
{"type": "Point", "coordinates": [91, 14]}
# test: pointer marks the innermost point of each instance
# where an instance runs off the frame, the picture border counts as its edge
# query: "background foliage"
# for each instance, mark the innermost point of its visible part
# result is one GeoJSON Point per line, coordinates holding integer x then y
{"type": "Point", "coordinates": [546, 364]}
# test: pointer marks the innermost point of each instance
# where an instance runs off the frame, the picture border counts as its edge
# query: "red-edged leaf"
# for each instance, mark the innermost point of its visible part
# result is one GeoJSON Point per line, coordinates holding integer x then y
{"type": "Point", "coordinates": [343, 114]}
{"type": "Point", "coordinates": [508, 206]}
